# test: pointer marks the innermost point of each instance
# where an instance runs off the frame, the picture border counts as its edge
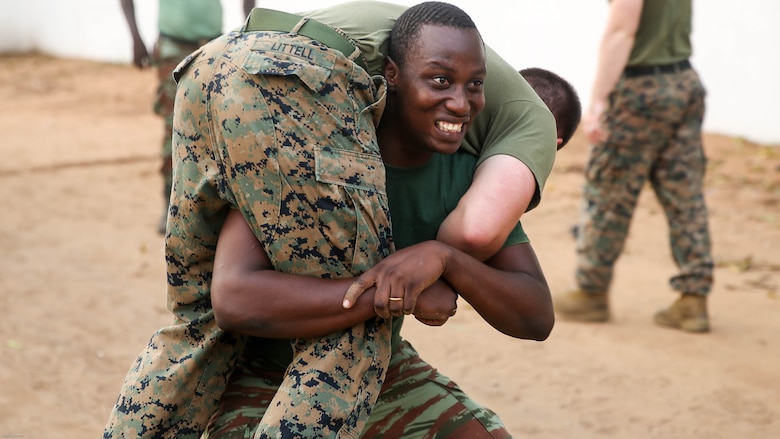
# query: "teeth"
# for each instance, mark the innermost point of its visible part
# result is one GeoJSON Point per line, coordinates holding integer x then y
{"type": "Point", "coordinates": [449, 127]}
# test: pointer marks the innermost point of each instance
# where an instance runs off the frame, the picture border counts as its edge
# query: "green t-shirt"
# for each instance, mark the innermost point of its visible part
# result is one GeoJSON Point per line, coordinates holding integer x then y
{"type": "Point", "coordinates": [515, 121]}
{"type": "Point", "coordinates": [421, 197]}
{"type": "Point", "coordinates": [190, 20]}
{"type": "Point", "coordinates": [663, 35]}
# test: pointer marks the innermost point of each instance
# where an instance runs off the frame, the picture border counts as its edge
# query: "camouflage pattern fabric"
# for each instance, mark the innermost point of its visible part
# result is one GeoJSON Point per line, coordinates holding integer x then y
{"type": "Point", "coordinates": [416, 402]}
{"type": "Point", "coordinates": [654, 123]}
{"type": "Point", "coordinates": [167, 54]}
{"type": "Point", "coordinates": [282, 128]}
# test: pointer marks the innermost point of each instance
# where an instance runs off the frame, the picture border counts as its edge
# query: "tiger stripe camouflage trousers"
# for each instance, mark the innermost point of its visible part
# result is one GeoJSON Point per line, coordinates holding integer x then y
{"type": "Point", "coordinates": [416, 401]}
{"type": "Point", "coordinates": [654, 124]}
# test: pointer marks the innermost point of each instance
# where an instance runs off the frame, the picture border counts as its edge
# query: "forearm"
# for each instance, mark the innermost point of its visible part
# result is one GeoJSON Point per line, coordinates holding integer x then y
{"type": "Point", "coordinates": [248, 5]}
{"type": "Point", "coordinates": [517, 303]}
{"type": "Point", "coordinates": [267, 303]}
{"type": "Point", "coordinates": [613, 56]}
{"type": "Point", "coordinates": [615, 47]}
{"type": "Point", "coordinates": [128, 9]}
{"type": "Point", "coordinates": [249, 297]}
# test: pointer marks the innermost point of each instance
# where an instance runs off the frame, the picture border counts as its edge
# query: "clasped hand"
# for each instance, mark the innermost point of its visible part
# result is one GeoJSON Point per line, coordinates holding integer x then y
{"type": "Point", "coordinates": [408, 282]}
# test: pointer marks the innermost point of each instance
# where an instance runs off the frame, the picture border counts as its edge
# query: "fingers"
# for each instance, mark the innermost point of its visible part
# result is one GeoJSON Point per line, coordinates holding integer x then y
{"type": "Point", "coordinates": [389, 300]}
{"type": "Point", "coordinates": [410, 302]}
{"type": "Point", "coordinates": [358, 287]}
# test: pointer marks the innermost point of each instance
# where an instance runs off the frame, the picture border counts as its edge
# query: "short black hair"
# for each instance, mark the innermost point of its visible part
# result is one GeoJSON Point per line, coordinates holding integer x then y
{"type": "Point", "coordinates": [560, 97]}
{"type": "Point", "coordinates": [403, 35]}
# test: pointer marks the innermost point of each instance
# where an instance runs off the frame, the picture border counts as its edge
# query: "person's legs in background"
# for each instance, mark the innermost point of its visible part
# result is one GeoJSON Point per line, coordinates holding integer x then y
{"type": "Point", "coordinates": [678, 181]}
{"type": "Point", "coordinates": [167, 54]}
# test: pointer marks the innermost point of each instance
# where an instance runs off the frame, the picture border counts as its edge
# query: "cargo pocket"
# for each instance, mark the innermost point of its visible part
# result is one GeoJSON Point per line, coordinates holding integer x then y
{"type": "Point", "coordinates": [352, 205]}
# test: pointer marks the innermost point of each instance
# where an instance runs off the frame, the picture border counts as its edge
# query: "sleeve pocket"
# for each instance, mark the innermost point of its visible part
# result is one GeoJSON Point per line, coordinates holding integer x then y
{"type": "Point", "coordinates": [313, 73]}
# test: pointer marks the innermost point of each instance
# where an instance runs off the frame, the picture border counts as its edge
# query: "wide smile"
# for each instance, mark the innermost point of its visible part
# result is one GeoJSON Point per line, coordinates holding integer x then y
{"type": "Point", "coordinates": [449, 127]}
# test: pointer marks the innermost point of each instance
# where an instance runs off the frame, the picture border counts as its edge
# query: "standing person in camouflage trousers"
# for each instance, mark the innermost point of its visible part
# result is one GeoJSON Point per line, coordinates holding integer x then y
{"type": "Point", "coordinates": [644, 121]}
{"type": "Point", "coordinates": [183, 25]}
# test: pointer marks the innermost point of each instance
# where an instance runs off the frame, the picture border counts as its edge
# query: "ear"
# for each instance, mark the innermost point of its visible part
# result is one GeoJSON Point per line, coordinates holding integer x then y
{"type": "Point", "coordinates": [391, 71]}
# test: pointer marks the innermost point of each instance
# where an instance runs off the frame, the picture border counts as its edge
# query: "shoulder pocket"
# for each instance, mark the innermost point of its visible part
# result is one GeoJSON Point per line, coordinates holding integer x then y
{"type": "Point", "coordinates": [288, 56]}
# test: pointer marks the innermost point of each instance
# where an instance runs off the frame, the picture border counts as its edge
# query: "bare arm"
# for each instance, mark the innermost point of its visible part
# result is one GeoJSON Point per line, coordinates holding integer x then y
{"type": "Point", "coordinates": [248, 5]}
{"type": "Point", "coordinates": [140, 54]}
{"type": "Point", "coordinates": [249, 297]}
{"type": "Point", "coordinates": [615, 48]}
{"type": "Point", "coordinates": [503, 186]}
{"type": "Point", "coordinates": [509, 291]}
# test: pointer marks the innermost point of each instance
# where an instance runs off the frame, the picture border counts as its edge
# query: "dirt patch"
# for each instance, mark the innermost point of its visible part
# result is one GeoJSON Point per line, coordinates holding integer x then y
{"type": "Point", "coordinates": [83, 287]}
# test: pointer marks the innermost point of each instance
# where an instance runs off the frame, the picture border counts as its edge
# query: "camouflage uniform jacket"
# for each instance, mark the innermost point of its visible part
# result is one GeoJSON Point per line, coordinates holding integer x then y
{"type": "Point", "coordinates": [282, 128]}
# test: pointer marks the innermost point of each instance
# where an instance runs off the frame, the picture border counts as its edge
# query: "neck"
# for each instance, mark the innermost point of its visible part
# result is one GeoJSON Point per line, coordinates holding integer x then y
{"type": "Point", "coordinates": [394, 145]}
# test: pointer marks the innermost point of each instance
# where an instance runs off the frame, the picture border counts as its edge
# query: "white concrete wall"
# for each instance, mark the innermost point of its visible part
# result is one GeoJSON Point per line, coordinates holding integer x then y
{"type": "Point", "coordinates": [737, 45]}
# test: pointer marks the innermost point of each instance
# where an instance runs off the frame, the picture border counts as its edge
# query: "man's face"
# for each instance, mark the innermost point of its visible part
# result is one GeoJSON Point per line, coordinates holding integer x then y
{"type": "Point", "coordinates": [439, 90]}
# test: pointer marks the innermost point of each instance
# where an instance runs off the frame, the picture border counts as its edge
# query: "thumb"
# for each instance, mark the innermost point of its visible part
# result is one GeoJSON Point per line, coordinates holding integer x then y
{"type": "Point", "coordinates": [358, 287]}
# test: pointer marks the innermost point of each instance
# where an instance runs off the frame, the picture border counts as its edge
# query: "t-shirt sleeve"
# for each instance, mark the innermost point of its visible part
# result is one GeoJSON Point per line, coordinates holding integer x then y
{"type": "Point", "coordinates": [514, 122]}
{"type": "Point", "coordinates": [525, 131]}
{"type": "Point", "coordinates": [517, 236]}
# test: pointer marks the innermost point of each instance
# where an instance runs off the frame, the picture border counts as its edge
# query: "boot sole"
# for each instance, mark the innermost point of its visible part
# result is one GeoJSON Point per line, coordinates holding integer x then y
{"type": "Point", "coordinates": [687, 325]}
{"type": "Point", "coordinates": [586, 316]}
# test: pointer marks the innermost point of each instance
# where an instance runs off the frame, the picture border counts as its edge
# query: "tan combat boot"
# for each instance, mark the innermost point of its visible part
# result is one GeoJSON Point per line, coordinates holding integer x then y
{"type": "Point", "coordinates": [688, 313]}
{"type": "Point", "coordinates": [577, 305]}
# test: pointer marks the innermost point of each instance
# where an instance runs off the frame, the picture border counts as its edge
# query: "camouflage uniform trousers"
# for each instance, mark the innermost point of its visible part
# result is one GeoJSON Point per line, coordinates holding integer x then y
{"type": "Point", "coordinates": [282, 128]}
{"type": "Point", "coordinates": [167, 54]}
{"type": "Point", "coordinates": [654, 124]}
{"type": "Point", "coordinates": [416, 402]}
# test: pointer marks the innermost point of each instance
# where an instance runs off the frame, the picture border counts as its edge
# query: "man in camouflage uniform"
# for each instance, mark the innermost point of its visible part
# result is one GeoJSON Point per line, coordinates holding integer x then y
{"type": "Point", "coordinates": [283, 128]}
{"type": "Point", "coordinates": [184, 26]}
{"type": "Point", "coordinates": [645, 125]}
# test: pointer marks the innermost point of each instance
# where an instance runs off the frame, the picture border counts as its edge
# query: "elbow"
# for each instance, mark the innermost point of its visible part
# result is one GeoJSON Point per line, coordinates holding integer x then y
{"type": "Point", "coordinates": [227, 317]}
{"type": "Point", "coordinates": [226, 320]}
{"type": "Point", "coordinates": [543, 321]}
{"type": "Point", "coordinates": [537, 328]}
{"type": "Point", "coordinates": [535, 325]}
{"type": "Point", "coordinates": [542, 328]}
{"type": "Point", "coordinates": [480, 242]}
{"type": "Point", "coordinates": [230, 313]}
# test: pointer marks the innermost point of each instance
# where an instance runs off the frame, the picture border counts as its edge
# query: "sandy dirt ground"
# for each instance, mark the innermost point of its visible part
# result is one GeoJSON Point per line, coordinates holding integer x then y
{"type": "Point", "coordinates": [82, 283]}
